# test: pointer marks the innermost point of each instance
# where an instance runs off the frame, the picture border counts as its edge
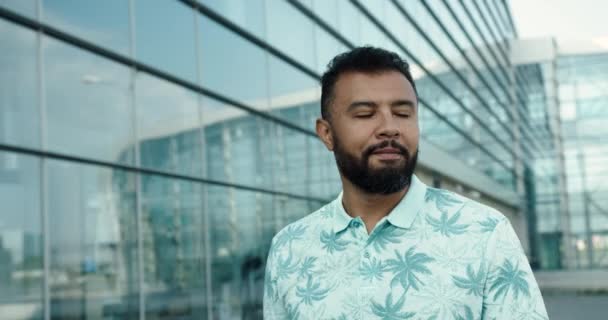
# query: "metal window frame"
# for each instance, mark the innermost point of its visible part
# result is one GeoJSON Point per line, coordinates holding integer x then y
{"type": "Point", "coordinates": [313, 16]}
{"type": "Point", "coordinates": [392, 37]}
{"type": "Point", "coordinates": [529, 132]}
{"type": "Point", "coordinates": [464, 55]}
{"type": "Point", "coordinates": [454, 70]}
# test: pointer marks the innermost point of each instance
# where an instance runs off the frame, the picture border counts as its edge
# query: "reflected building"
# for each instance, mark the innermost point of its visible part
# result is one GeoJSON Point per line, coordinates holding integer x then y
{"type": "Point", "coordinates": [149, 151]}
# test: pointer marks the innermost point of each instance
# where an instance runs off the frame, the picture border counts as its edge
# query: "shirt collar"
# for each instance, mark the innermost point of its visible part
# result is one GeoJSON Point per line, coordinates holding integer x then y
{"type": "Point", "coordinates": [401, 216]}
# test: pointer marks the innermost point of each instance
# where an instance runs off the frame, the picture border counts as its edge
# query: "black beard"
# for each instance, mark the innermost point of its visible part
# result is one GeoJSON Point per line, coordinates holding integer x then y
{"type": "Point", "coordinates": [382, 181]}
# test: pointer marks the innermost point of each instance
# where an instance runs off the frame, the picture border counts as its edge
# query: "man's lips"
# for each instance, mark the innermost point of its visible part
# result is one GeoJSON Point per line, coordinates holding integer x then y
{"type": "Point", "coordinates": [388, 153]}
{"type": "Point", "coordinates": [387, 150]}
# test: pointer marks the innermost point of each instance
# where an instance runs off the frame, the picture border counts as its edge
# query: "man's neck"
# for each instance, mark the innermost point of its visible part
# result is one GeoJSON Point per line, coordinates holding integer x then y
{"type": "Point", "coordinates": [370, 207]}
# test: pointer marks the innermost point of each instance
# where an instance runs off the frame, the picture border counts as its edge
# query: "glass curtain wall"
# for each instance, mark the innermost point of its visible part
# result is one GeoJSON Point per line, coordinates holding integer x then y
{"type": "Point", "coordinates": [583, 94]}
{"type": "Point", "coordinates": [149, 150]}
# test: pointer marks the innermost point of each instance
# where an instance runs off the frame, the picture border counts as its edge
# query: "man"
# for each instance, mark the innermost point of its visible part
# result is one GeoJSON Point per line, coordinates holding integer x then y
{"type": "Point", "coordinates": [390, 247]}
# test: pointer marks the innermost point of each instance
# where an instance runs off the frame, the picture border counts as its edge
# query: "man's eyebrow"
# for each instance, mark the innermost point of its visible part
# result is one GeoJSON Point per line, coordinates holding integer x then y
{"type": "Point", "coordinates": [400, 103]}
{"type": "Point", "coordinates": [361, 104]}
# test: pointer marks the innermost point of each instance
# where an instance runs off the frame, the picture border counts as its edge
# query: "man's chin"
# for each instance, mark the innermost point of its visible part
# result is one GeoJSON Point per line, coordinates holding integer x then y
{"type": "Point", "coordinates": [383, 165]}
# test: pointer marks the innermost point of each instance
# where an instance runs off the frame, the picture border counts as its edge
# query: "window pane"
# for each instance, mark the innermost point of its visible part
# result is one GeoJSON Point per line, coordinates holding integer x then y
{"type": "Point", "coordinates": [289, 88]}
{"type": "Point", "coordinates": [165, 37]}
{"type": "Point", "coordinates": [291, 32]}
{"type": "Point", "coordinates": [169, 127]}
{"type": "Point", "coordinates": [243, 226]}
{"type": "Point", "coordinates": [232, 66]}
{"type": "Point", "coordinates": [18, 87]}
{"type": "Point", "coordinates": [249, 14]}
{"type": "Point", "coordinates": [327, 48]}
{"type": "Point", "coordinates": [21, 275]}
{"type": "Point", "coordinates": [237, 146]}
{"type": "Point", "coordinates": [105, 23]}
{"type": "Point", "coordinates": [26, 7]}
{"type": "Point", "coordinates": [93, 242]}
{"type": "Point", "coordinates": [88, 105]}
{"type": "Point", "coordinates": [174, 256]}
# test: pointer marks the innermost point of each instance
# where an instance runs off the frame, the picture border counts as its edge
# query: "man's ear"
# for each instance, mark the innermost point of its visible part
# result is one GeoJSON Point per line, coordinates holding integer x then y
{"type": "Point", "coordinates": [323, 128]}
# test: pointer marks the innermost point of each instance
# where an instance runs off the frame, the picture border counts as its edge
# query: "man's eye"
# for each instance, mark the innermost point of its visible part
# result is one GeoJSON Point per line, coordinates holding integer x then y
{"type": "Point", "coordinates": [363, 115]}
{"type": "Point", "coordinates": [403, 115]}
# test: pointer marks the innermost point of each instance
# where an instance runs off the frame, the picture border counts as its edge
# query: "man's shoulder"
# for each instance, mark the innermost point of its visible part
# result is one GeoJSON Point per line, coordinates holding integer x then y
{"type": "Point", "coordinates": [452, 203]}
{"type": "Point", "coordinates": [307, 224]}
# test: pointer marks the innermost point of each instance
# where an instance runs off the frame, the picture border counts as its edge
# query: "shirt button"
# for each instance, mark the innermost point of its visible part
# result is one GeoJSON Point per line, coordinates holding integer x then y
{"type": "Point", "coordinates": [366, 254]}
{"type": "Point", "coordinates": [356, 224]}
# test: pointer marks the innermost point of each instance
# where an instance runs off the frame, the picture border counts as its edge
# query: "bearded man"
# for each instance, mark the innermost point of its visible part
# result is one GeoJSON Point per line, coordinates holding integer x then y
{"type": "Point", "coordinates": [389, 247]}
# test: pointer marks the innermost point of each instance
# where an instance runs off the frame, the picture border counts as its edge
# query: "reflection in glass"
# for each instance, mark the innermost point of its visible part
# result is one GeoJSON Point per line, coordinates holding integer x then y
{"type": "Point", "coordinates": [237, 146]}
{"type": "Point", "coordinates": [291, 32]}
{"type": "Point", "coordinates": [105, 23]}
{"type": "Point", "coordinates": [232, 66]}
{"type": "Point", "coordinates": [164, 33]}
{"type": "Point", "coordinates": [25, 7]}
{"type": "Point", "coordinates": [248, 15]}
{"type": "Point", "coordinates": [92, 232]}
{"type": "Point", "coordinates": [21, 274]}
{"type": "Point", "coordinates": [88, 106]}
{"type": "Point", "coordinates": [18, 87]}
{"type": "Point", "coordinates": [168, 127]}
{"type": "Point", "coordinates": [243, 225]}
{"type": "Point", "coordinates": [291, 89]}
{"type": "Point", "coordinates": [173, 256]}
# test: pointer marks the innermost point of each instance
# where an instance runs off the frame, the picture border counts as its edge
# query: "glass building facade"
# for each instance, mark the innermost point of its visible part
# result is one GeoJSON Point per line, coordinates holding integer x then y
{"type": "Point", "coordinates": [583, 95]}
{"type": "Point", "coordinates": [150, 150]}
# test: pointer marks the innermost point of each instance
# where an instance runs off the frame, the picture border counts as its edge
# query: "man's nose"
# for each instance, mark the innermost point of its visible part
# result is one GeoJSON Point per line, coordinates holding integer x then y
{"type": "Point", "coordinates": [388, 128]}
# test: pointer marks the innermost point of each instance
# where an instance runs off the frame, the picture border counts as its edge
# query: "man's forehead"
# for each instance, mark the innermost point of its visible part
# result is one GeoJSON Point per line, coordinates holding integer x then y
{"type": "Point", "coordinates": [354, 84]}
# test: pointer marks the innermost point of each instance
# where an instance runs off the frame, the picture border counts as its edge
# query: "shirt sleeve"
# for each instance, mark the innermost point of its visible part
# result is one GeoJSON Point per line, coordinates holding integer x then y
{"type": "Point", "coordinates": [510, 291]}
{"type": "Point", "coordinates": [274, 308]}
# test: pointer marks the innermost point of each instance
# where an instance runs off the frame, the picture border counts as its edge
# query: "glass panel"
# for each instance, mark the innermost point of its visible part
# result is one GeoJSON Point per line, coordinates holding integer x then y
{"type": "Point", "coordinates": [18, 87]}
{"type": "Point", "coordinates": [26, 7]}
{"type": "Point", "coordinates": [105, 23]}
{"type": "Point", "coordinates": [88, 105]}
{"type": "Point", "coordinates": [326, 10]}
{"type": "Point", "coordinates": [165, 37]}
{"type": "Point", "coordinates": [237, 146]}
{"type": "Point", "coordinates": [232, 66]}
{"type": "Point", "coordinates": [327, 48]}
{"type": "Point", "coordinates": [174, 255]}
{"type": "Point", "coordinates": [292, 169]}
{"type": "Point", "coordinates": [290, 88]}
{"type": "Point", "coordinates": [249, 14]}
{"type": "Point", "coordinates": [242, 228]}
{"type": "Point", "coordinates": [169, 127]}
{"type": "Point", "coordinates": [21, 274]}
{"type": "Point", "coordinates": [93, 242]}
{"type": "Point", "coordinates": [291, 32]}
{"type": "Point", "coordinates": [349, 21]}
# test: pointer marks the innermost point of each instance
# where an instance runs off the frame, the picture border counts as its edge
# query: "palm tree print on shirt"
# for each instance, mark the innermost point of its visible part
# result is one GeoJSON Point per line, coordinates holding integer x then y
{"type": "Point", "coordinates": [473, 282]}
{"type": "Point", "coordinates": [293, 232]}
{"type": "Point", "coordinates": [306, 267]}
{"type": "Point", "coordinates": [407, 267]}
{"type": "Point", "coordinates": [286, 266]}
{"type": "Point", "coordinates": [390, 311]}
{"type": "Point", "coordinates": [389, 234]}
{"type": "Point", "coordinates": [509, 277]}
{"type": "Point", "coordinates": [468, 314]}
{"type": "Point", "coordinates": [372, 270]}
{"type": "Point", "coordinates": [447, 226]}
{"type": "Point", "coordinates": [331, 242]}
{"type": "Point", "coordinates": [488, 225]}
{"type": "Point", "coordinates": [312, 292]}
{"type": "Point", "coordinates": [443, 199]}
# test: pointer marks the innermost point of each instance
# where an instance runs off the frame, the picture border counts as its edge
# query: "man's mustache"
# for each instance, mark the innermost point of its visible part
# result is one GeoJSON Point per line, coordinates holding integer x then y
{"type": "Point", "coordinates": [386, 143]}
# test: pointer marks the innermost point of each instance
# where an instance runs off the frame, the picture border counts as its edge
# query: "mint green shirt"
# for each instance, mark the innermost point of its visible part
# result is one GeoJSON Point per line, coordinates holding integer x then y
{"type": "Point", "coordinates": [436, 255]}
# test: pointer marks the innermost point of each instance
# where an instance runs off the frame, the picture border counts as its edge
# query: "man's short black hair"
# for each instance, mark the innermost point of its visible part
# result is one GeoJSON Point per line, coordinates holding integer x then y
{"type": "Point", "coordinates": [361, 59]}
